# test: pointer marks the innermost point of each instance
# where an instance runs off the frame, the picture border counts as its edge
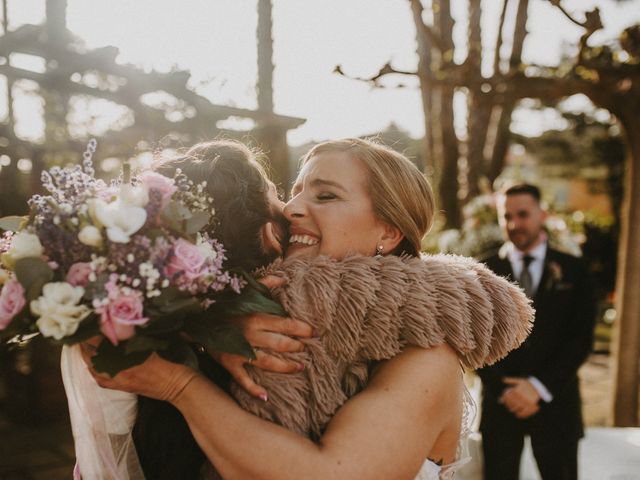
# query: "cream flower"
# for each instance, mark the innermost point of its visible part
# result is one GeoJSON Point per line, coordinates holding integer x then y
{"type": "Point", "coordinates": [120, 219]}
{"type": "Point", "coordinates": [91, 236]}
{"type": "Point", "coordinates": [58, 309]}
{"type": "Point", "coordinates": [23, 245]}
{"type": "Point", "coordinates": [135, 196]}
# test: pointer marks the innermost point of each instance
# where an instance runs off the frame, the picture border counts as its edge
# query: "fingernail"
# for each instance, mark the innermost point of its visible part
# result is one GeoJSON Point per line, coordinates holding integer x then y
{"type": "Point", "coordinates": [300, 367]}
{"type": "Point", "coordinates": [263, 397]}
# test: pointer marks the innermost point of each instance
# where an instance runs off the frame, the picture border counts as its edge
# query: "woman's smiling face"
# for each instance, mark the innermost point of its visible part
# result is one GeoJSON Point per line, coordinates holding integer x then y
{"type": "Point", "coordinates": [330, 211]}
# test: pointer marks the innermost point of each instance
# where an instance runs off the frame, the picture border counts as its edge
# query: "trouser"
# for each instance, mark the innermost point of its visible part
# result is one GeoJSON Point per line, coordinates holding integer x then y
{"type": "Point", "coordinates": [502, 441]}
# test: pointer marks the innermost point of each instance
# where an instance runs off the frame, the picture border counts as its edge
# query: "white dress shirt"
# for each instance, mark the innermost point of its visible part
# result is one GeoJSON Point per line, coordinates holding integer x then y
{"type": "Point", "coordinates": [536, 269]}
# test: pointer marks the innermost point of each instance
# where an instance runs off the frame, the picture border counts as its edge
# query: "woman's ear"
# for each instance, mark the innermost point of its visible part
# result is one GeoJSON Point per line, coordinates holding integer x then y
{"type": "Point", "coordinates": [391, 238]}
{"type": "Point", "coordinates": [272, 239]}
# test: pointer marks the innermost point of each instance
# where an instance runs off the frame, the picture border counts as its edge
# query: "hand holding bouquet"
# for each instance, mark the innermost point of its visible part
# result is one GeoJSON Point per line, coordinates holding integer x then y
{"type": "Point", "coordinates": [135, 261]}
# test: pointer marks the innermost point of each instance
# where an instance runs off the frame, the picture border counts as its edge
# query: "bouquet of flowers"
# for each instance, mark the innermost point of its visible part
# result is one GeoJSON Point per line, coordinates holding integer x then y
{"type": "Point", "coordinates": [135, 261]}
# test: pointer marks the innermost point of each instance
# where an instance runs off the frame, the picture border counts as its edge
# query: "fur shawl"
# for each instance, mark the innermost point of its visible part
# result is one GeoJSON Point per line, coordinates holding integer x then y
{"type": "Point", "coordinates": [366, 309]}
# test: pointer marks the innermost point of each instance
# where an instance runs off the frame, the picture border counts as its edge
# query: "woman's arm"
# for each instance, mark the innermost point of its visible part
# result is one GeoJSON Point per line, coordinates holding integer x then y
{"type": "Point", "coordinates": [387, 431]}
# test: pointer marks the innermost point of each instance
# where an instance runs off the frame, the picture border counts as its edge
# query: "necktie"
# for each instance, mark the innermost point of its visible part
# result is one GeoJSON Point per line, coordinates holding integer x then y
{"type": "Point", "coordinates": [526, 282]}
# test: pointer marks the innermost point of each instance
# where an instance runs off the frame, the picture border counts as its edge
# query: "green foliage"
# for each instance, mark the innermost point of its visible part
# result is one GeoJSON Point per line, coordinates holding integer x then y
{"type": "Point", "coordinates": [111, 359]}
{"type": "Point", "coordinates": [33, 273]}
{"type": "Point", "coordinates": [12, 223]}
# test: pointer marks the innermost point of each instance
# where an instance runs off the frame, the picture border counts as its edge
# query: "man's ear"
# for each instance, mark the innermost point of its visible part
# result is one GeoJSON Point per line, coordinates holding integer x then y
{"type": "Point", "coordinates": [391, 238]}
{"type": "Point", "coordinates": [271, 238]}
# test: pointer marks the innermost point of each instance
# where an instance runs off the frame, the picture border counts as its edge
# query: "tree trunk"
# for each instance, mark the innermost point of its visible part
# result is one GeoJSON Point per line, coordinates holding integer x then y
{"type": "Point", "coordinates": [477, 117]}
{"type": "Point", "coordinates": [449, 186]}
{"type": "Point", "coordinates": [627, 345]}
{"type": "Point", "coordinates": [424, 47]}
{"type": "Point", "coordinates": [503, 131]}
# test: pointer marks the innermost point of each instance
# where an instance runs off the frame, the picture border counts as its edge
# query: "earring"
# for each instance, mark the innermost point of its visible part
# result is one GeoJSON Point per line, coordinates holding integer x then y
{"type": "Point", "coordinates": [379, 250]}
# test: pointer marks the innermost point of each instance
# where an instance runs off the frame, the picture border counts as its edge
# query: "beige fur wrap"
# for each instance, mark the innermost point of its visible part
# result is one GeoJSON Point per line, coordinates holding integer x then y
{"type": "Point", "coordinates": [366, 309]}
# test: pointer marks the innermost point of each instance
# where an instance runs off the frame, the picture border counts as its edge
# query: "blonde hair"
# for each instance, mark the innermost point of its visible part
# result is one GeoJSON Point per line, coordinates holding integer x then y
{"type": "Point", "coordinates": [401, 195]}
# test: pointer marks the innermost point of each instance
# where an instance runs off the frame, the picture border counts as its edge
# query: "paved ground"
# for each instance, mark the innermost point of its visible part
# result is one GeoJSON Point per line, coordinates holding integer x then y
{"type": "Point", "coordinates": [31, 453]}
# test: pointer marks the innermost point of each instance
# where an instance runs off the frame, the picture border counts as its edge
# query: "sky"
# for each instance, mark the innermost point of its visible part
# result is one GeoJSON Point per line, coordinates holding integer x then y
{"type": "Point", "coordinates": [215, 40]}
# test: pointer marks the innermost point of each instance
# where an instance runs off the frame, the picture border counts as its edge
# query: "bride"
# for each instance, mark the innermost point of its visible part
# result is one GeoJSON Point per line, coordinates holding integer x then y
{"type": "Point", "coordinates": [351, 197]}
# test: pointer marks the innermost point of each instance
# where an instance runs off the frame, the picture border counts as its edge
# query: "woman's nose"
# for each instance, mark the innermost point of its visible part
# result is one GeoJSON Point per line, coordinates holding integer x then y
{"type": "Point", "coordinates": [294, 208]}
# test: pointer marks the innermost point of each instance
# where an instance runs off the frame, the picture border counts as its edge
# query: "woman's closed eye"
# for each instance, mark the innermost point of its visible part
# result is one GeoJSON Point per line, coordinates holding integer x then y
{"type": "Point", "coordinates": [324, 196]}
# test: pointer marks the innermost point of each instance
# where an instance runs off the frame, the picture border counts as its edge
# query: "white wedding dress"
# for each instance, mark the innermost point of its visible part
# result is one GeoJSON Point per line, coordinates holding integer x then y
{"type": "Point", "coordinates": [432, 471]}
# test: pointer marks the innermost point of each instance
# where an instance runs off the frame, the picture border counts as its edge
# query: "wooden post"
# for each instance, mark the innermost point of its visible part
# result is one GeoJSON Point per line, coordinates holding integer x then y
{"type": "Point", "coordinates": [270, 137]}
{"type": "Point", "coordinates": [627, 341]}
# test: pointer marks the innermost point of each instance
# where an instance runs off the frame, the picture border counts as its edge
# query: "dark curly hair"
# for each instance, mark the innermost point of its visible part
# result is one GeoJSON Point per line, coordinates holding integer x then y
{"type": "Point", "coordinates": [239, 187]}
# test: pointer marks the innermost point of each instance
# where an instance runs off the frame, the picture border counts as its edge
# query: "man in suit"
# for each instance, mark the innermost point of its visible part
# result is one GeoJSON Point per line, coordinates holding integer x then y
{"type": "Point", "coordinates": [534, 391]}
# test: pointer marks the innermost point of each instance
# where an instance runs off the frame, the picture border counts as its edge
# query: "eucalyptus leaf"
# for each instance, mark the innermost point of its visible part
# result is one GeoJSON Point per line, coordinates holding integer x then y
{"type": "Point", "coordinates": [12, 223]}
{"type": "Point", "coordinates": [160, 323]}
{"type": "Point", "coordinates": [175, 214]}
{"type": "Point", "coordinates": [219, 336]}
{"type": "Point", "coordinates": [249, 300]}
{"type": "Point", "coordinates": [141, 343]}
{"type": "Point", "coordinates": [33, 273]}
{"type": "Point", "coordinates": [112, 359]}
{"type": "Point", "coordinates": [197, 222]}
{"type": "Point", "coordinates": [88, 328]}
{"type": "Point", "coordinates": [180, 352]}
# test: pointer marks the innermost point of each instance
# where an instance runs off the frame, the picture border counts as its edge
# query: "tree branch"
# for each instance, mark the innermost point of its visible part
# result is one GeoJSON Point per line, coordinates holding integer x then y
{"type": "Point", "coordinates": [386, 69]}
{"type": "Point", "coordinates": [496, 59]}
{"type": "Point", "coordinates": [558, 5]}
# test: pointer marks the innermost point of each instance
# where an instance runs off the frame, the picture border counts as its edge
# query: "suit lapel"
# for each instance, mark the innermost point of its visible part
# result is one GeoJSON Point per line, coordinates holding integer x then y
{"type": "Point", "coordinates": [503, 265]}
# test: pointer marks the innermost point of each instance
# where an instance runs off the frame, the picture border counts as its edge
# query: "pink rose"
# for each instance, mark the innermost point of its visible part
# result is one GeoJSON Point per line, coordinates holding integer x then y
{"type": "Point", "coordinates": [119, 317]}
{"type": "Point", "coordinates": [78, 274]}
{"type": "Point", "coordinates": [187, 260]}
{"type": "Point", "coordinates": [11, 302]}
{"type": "Point", "coordinates": [159, 183]}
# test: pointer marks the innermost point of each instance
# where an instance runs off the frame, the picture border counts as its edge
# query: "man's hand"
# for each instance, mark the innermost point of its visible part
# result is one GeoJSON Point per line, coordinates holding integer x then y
{"type": "Point", "coordinates": [521, 398]}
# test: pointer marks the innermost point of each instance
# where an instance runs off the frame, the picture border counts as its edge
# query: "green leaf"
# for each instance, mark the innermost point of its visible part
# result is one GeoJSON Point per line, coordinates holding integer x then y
{"type": "Point", "coordinates": [219, 336]}
{"type": "Point", "coordinates": [33, 273]}
{"type": "Point", "coordinates": [88, 328]}
{"type": "Point", "coordinates": [112, 359]}
{"type": "Point", "coordinates": [175, 214]}
{"type": "Point", "coordinates": [12, 223]}
{"type": "Point", "coordinates": [249, 300]}
{"type": "Point", "coordinates": [173, 301]}
{"type": "Point", "coordinates": [141, 343]}
{"type": "Point", "coordinates": [199, 219]}
{"type": "Point", "coordinates": [160, 324]}
{"type": "Point", "coordinates": [180, 352]}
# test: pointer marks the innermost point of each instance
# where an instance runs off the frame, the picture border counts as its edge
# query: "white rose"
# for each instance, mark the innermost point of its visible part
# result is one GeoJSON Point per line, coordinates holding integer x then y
{"type": "Point", "coordinates": [135, 196]}
{"type": "Point", "coordinates": [120, 219]}
{"type": "Point", "coordinates": [25, 244]}
{"type": "Point", "coordinates": [58, 309]}
{"type": "Point", "coordinates": [91, 236]}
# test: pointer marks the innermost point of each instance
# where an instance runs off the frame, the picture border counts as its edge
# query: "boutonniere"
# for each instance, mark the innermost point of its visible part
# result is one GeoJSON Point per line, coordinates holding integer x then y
{"type": "Point", "coordinates": [556, 277]}
{"type": "Point", "coordinates": [556, 272]}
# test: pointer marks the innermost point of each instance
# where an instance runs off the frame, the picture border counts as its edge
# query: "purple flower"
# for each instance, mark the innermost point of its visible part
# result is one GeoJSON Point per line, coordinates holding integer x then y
{"type": "Point", "coordinates": [187, 260]}
{"type": "Point", "coordinates": [78, 274]}
{"type": "Point", "coordinates": [154, 181]}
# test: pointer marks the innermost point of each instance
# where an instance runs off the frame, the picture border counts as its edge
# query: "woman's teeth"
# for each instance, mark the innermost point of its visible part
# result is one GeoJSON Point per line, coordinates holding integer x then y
{"type": "Point", "coordinates": [304, 239]}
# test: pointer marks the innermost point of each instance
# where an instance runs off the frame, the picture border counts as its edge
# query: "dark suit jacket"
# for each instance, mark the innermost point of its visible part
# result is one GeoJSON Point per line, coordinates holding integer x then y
{"type": "Point", "coordinates": [561, 339]}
